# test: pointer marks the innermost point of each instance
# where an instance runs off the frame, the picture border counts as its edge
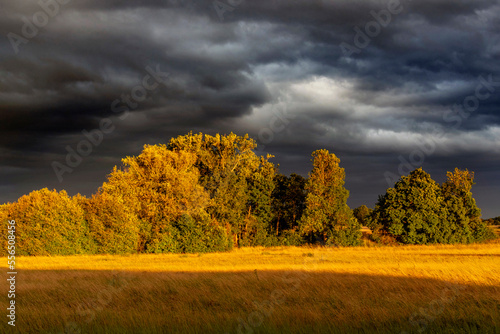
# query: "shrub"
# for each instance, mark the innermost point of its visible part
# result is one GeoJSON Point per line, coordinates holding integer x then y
{"type": "Point", "coordinates": [200, 235]}
{"type": "Point", "coordinates": [362, 213]}
{"type": "Point", "coordinates": [49, 223]}
{"type": "Point", "coordinates": [4, 219]}
{"type": "Point", "coordinates": [113, 227]}
{"type": "Point", "coordinates": [290, 238]}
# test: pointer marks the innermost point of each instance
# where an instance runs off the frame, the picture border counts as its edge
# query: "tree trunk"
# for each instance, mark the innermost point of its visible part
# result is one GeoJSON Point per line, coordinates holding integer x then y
{"type": "Point", "coordinates": [277, 225]}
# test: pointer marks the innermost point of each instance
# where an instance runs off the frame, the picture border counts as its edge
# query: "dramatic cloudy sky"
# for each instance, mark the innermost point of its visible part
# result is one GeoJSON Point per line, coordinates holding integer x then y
{"type": "Point", "coordinates": [297, 75]}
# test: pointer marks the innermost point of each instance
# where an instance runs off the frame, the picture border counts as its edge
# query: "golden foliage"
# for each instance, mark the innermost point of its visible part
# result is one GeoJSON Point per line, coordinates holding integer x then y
{"type": "Point", "coordinates": [48, 222]}
{"type": "Point", "coordinates": [113, 227]}
{"type": "Point", "coordinates": [461, 179]}
{"type": "Point", "coordinates": [159, 184]}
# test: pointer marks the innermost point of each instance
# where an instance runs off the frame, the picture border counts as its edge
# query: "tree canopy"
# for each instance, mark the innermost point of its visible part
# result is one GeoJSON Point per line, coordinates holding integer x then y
{"type": "Point", "coordinates": [162, 187]}
{"type": "Point", "coordinates": [417, 210]}
{"type": "Point", "coordinates": [239, 183]}
{"type": "Point", "coordinates": [201, 193]}
{"type": "Point", "coordinates": [327, 216]}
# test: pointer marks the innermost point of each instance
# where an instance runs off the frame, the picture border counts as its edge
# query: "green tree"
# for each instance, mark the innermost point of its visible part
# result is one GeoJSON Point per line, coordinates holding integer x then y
{"type": "Point", "coordinates": [239, 182]}
{"type": "Point", "coordinates": [113, 226]}
{"type": "Point", "coordinates": [493, 221]}
{"type": "Point", "coordinates": [419, 211]}
{"type": "Point", "coordinates": [412, 211]}
{"type": "Point", "coordinates": [200, 235]}
{"type": "Point", "coordinates": [288, 200]}
{"type": "Point", "coordinates": [327, 216]}
{"type": "Point", "coordinates": [260, 189]}
{"type": "Point", "coordinates": [493, 224]}
{"type": "Point", "coordinates": [362, 214]}
{"type": "Point", "coordinates": [463, 215]}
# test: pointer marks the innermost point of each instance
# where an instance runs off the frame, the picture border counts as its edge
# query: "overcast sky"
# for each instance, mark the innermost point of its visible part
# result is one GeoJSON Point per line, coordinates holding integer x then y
{"type": "Point", "coordinates": [386, 86]}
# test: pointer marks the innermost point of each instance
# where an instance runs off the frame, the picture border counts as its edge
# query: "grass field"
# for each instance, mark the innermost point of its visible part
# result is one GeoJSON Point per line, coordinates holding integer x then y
{"type": "Point", "coordinates": [413, 289]}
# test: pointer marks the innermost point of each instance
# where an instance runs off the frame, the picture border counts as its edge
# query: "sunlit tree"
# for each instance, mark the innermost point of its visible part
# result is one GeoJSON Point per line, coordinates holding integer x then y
{"type": "Point", "coordinates": [238, 182]}
{"type": "Point", "coordinates": [327, 216]}
{"type": "Point", "coordinates": [161, 186]}
{"type": "Point", "coordinates": [113, 226]}
{"type": "Point", "coordinates": [49, 223]}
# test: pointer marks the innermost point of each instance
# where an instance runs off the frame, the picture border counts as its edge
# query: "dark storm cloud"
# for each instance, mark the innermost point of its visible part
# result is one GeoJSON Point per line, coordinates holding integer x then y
{"type": "Point", "coordinates": [231, 71]}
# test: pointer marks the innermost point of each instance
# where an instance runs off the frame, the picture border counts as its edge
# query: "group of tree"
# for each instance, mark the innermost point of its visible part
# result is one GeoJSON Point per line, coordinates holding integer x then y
{"type": "Point", "coordinates": [198, 193]}
{"type": "Point", "coordinates": [202, 193]}
{"type": "Point", "coordinates": [417, 210]}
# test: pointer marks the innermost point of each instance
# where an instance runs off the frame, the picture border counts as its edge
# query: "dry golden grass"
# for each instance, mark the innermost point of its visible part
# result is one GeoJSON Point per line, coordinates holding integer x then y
{"type": "Point", "coordinates": [432, 289]}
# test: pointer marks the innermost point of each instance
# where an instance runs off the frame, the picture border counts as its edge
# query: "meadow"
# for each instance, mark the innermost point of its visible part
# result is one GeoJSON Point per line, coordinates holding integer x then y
{"type": "Point", "coordinates": [401, 289]}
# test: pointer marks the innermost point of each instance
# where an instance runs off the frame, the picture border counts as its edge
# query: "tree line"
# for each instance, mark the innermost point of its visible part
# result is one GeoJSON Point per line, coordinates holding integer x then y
{"type": "Point", "coordinates": [202, 193]}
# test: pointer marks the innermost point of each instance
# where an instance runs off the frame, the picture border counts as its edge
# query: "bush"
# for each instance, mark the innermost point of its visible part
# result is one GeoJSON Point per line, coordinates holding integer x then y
{"type": "Point", "coordinates": [290, 238]}
{"type": "Point", "coordinates": [255, 233]}
{"type": "Point", "coordinates": [362, 214]}
{"type": "Point", "coordinates": [4, 219]}
{"type": "Point", "coordinates": [48, 223]}
{"type": "Point", "coordinates": [165, 241]}
{"type": "Point", "coordinates": [113, 227]}
{"type": "Point", "coordinates": [191, 235]}
{"type": "Point", "coordinates": [348, 235]}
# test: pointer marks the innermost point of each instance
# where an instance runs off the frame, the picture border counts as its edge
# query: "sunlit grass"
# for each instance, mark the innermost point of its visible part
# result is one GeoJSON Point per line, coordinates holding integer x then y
{"type": "Point", "coordinates": [364, 289]}
{"type": "Point", "coordinates": [463, 263]}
